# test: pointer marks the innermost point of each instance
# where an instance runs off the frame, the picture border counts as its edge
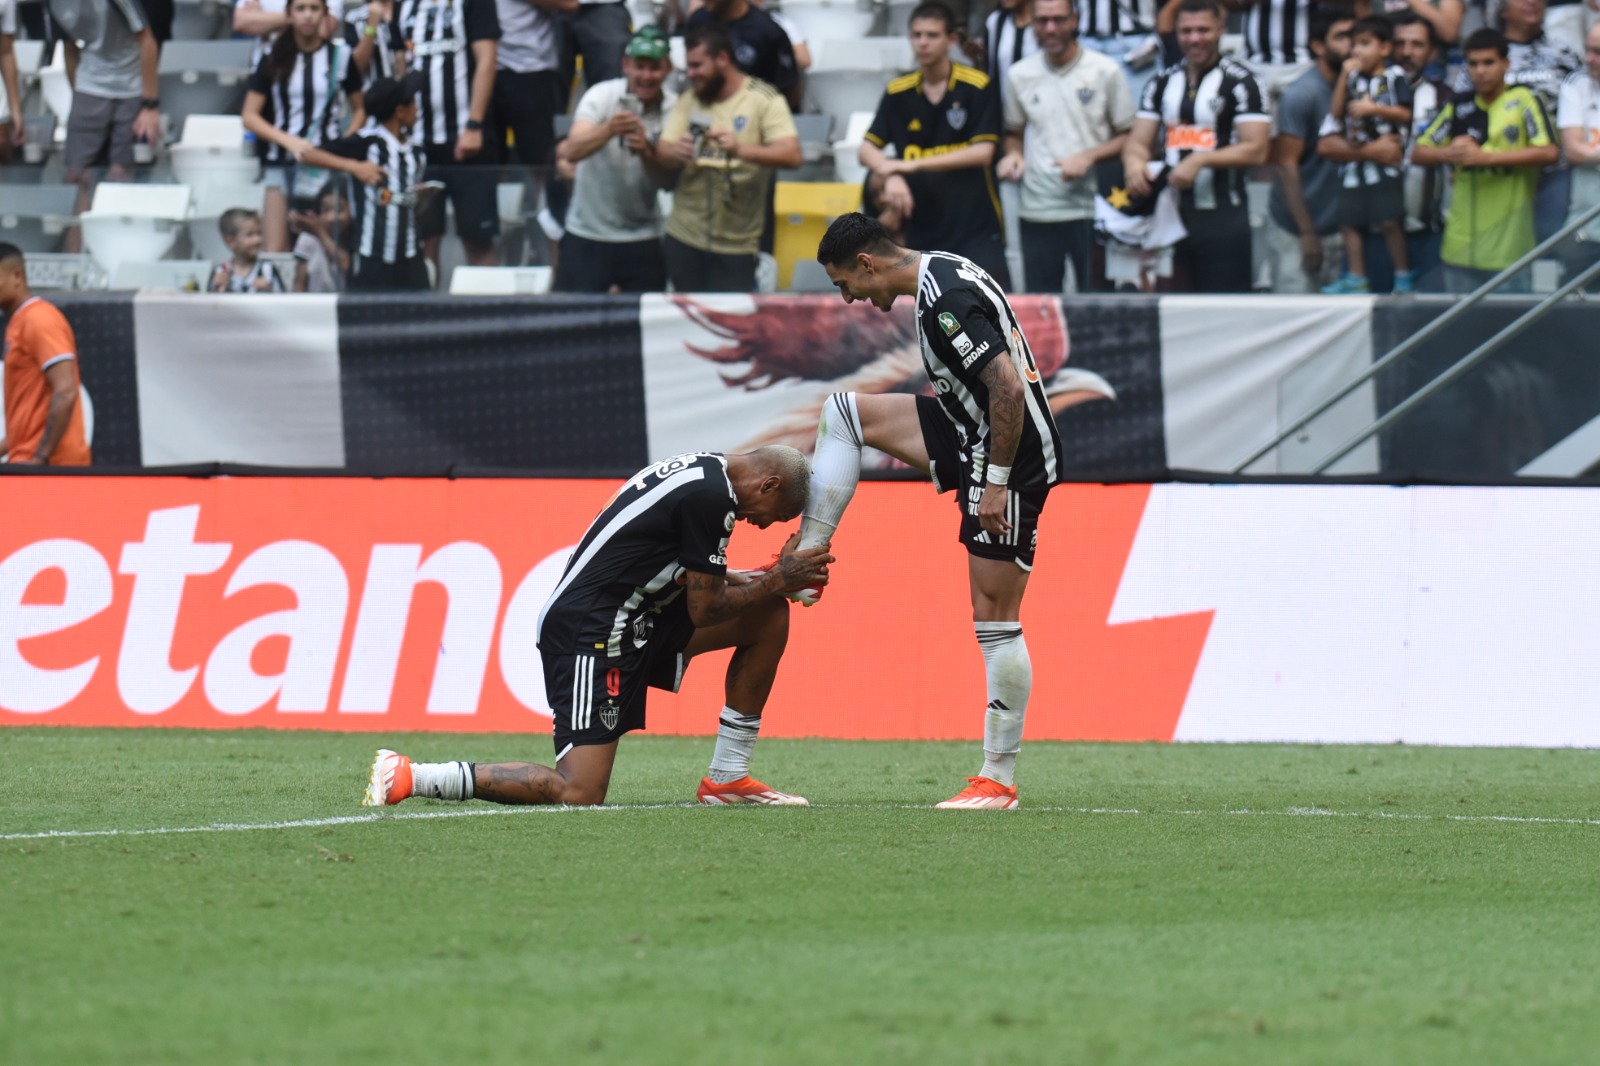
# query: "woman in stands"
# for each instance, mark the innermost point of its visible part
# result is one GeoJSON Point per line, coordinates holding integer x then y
{"type": "Point", "coordinates": [293, 104]}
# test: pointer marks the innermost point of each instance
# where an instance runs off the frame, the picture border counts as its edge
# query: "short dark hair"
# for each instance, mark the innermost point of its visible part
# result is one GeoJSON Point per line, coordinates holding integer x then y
{"type": "Point", "coordinates": [234, 217]}
{"type": "Point", "coordinates": [1324, 17]}
{"type": "Point", "coordinates": [1411, 18]}
{"type": "Point", "coordinates": [333, 187]}
{"type": "Point", "coordinates": [1375, 26]}
{"type": "Point", "coordinates": [9, 252]}
{"type": "Point", "coordinates": [1486, 39]}
{"type": "Point", "coordinates": [933, 9]}
{"type": "Point", "coordinates": [1213, 8]}
{"type": "Point", "coordinates": [710, 35]}
{"type": "Point", "coordinates": [850, 235]}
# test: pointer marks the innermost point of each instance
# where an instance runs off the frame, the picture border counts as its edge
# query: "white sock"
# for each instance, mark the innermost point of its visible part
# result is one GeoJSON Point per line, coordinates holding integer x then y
{"type": "Point", "coordinates": [1010, 678]}
{"type": "Point", "coordinates": [442, 780]}
{"type": "Point", "coordinates": [736, 742]}
{"type": "Point", "coordinates": [835, 469]}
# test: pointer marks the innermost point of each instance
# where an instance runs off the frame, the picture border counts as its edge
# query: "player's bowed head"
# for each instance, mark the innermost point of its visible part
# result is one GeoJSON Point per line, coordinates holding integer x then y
{"type": "Point", "coordinates": [865, 263]}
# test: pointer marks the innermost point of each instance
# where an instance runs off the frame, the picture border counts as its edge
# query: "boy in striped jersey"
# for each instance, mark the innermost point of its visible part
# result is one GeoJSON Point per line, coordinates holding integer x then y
{"type": "Point", "coordinates": [646, 590]}
{"type": "Point", "coordinates": [246, 271]}
{"type": "Point", "coordinates": [388, 252]}
{"type": "Point", "coordinates": [987, 432]}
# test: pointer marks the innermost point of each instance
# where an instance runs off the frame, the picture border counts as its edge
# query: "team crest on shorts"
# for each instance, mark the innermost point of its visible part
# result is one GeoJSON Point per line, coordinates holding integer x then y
{"type": "Point", "coordinates": [609, 715]}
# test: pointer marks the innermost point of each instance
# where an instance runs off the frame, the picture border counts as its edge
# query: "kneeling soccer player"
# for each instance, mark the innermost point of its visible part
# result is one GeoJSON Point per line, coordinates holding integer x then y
{"type": "Point", "coordinates": [647, 589]}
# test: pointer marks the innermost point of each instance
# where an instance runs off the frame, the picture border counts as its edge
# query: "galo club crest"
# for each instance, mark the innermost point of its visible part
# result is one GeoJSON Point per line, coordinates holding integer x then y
{"type": "Point", "coordinates": [956, 116]}
{"type": "Point", "coordinates": [609, 715]}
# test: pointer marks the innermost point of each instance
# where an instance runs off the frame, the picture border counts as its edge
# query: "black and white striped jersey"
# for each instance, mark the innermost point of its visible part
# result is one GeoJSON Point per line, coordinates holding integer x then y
{"type": "Point", "coordinates": [1116, 18]}
{"type": "Point", "coordinates": [963, 323]}
{"type": "Point", "coordinates": [675, 515]}
{"type": "Point", "coordinates": [439, 36]}
{"type": "Point", "coordinates": [250, 281]}
{"type": "Point", "coordinates": [306, 102]}
{"type": "Point", "coordinates": [1278, 31]}
{"type": "Point", "coordinates": [386, 45]}
{"type": "Point", "coordinates": [385, 215]}
{"type": "Point", "coordinates": [1204, 115]}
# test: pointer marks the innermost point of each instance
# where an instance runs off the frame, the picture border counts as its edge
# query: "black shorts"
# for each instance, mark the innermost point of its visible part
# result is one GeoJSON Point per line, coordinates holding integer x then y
{"type": "Point", "coordinates": [594, 266]}
{"type": "Point", "coordinates": [1366, 207]}
{"type": "Point", "coordinates": [952, 468]}
{"type": "Point", "coordinates": [595, 698]}
{"type": "Point", "coordinates": [473, 190]}
{"type": "Point", "coordinates": [525, 106]}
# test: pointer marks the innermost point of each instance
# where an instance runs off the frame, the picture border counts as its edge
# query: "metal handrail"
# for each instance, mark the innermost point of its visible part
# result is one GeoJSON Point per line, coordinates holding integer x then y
{"type": "Point", "coordinates": [1461, 366]}
{"type": "Point", "coordinates": [1406, 346]}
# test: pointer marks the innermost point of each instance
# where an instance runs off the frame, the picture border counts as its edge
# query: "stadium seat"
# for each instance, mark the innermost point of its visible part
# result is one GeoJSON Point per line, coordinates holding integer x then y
{"type": "Point", "coordinates": [846, 163]}
{"type": "Point", "coordinates": [32, 217]}
{"type": "Point", "coordinates": [200, 20]}
{"type": "Point", "coordinates": [849, 75]}
{"type": "Point", "coordinates": [822, 19]}
{"type": "Point", "coordinates": [129, 222]}
{"type": "Point", "coordinates": [814, 131]}
{"type": "Point", "coordinates": [162, 275]}
{"type": "Point", "coordinates": [57, 92]}
{"type": "Point", "coordinates": [203, 78]}
{"type": "Point", "coordinates": [41, 138]}
{"type": "Point", "coordinates": [211, 199]}
{"type": "Point", "coordinates": [803, 211]}
{"type": "Point", "coordinates": [213, 149]}
{"type": "Point", "coordinates": [810, 276]}
{"type": "Point", "coordinates": [500, 281]}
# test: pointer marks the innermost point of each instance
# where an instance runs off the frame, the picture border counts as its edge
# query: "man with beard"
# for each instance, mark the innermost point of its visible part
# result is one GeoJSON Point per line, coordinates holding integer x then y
{"type": "Point", "coordinates": [987, 433]}
{"type": "Point", "coordinates": [1303, 234]}
{"type": "Point", "coordinates": [721, 143]}
{"type": "Point", "coordinates": [761, 48]}
{"type": "Point", "coordinates": [613, 228]}
{"type": "Point", "coordinates": [1216, 128]}
{"type": "Point", "coordinates": [1067, 109]}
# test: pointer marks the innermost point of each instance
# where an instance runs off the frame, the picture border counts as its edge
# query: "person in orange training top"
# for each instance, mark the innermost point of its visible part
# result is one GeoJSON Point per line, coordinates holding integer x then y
{"type": "Point", "coordinates": [44, 420]}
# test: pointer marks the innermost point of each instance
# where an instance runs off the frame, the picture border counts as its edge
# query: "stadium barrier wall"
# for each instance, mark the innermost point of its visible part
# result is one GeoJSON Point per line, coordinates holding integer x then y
{"type": "Point", "coordinates": [600, 386]}
{"type": "Point", "coordinates": [1339, 613]}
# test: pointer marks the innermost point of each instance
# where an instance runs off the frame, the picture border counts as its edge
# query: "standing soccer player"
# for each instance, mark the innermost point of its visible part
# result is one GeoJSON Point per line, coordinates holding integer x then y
{"type": "Point", "coordinates": [647, 589]}
{"type": "Point", "coordinates": [988, 434]}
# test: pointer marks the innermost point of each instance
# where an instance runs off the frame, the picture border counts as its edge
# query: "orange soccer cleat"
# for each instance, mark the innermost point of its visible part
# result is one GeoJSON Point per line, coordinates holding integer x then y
{"type": "Point", "coordinates": [982, 794]}
{"type": "Point", "coordinates": [390, 781]}
{"type": "Point", "coordinates": [745, 790]}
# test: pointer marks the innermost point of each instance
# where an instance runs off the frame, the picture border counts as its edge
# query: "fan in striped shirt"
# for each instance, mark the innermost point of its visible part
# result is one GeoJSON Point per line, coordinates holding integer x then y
{"type": "Point", "coordinates": [388, 251]}
{"type": "Point", "coordinates": [246, 272]}
{"type": "Point", "coordinates": [380, 49]}
{"type": "Point", "coordinates": [292, 104]}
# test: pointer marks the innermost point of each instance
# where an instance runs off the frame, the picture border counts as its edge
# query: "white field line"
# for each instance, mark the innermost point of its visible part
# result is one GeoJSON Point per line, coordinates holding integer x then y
{"type": "Point", "coordinates": [489, 812]}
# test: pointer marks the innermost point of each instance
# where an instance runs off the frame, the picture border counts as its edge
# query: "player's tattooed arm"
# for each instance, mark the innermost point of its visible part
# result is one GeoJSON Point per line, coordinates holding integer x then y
{"type": "Point", "coordinates": [1006, 400]}
{"type": "Point", "coordinates": [714, 599]}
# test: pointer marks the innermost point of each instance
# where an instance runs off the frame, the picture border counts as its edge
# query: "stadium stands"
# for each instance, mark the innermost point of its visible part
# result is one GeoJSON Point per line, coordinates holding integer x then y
{"type": "Point", "coordinates": [126, 221]}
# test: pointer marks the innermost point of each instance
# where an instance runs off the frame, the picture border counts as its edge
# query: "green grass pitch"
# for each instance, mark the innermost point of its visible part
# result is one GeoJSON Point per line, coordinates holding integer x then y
{"type": "Point", "coordinates": [1150, 904]}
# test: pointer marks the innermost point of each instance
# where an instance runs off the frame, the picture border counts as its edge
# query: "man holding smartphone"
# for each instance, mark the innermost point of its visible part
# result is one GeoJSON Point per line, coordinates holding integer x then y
{"type": "Point", "coordinates": [614, 226]}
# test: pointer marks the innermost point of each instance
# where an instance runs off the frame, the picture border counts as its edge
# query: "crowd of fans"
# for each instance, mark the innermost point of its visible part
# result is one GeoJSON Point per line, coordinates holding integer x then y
{"type": "Point", "coordinates": [1397, 146]}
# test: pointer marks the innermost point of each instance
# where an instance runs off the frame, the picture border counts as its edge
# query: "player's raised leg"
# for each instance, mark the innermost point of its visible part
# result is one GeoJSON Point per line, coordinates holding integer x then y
{"type": "Point", "coordinates": [851, 421]}
{"type": "Point", "coordinates": [758, 638]}
{"type": "Point", "coordinates": [998, 586]}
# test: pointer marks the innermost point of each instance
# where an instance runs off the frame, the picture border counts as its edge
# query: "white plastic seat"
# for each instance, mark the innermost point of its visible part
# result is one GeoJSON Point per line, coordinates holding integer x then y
{"type": "Point", "coordinates": [818, 19]}
{"type": "Point", "coordinates": [126, 221]}
{"type": "Point", "coordinates": [500, 281]}
{"type": "Point", "coordinates": [57, 92]}
{"type": "Point", "coordinates": [846, 166]}
{"type": "Point", "coordinates": [32, 217]}
{"type": "Point", "coordinates": [213, 149]}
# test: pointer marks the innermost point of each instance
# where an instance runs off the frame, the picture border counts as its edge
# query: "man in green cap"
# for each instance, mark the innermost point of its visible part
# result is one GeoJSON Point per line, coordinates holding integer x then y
{"type": "Point", "coordinates": [613, 227]}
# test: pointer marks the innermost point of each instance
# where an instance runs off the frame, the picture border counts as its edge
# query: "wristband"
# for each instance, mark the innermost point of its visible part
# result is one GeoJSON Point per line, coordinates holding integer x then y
{"type": "Point", "coordinates": [997, 475]}
{"type": "Point", "coordinates": [150, 103]}
{"type": "Point", "coordinates": [474, 125]}
{"type": "Point", "coordinates": [369, 30]}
